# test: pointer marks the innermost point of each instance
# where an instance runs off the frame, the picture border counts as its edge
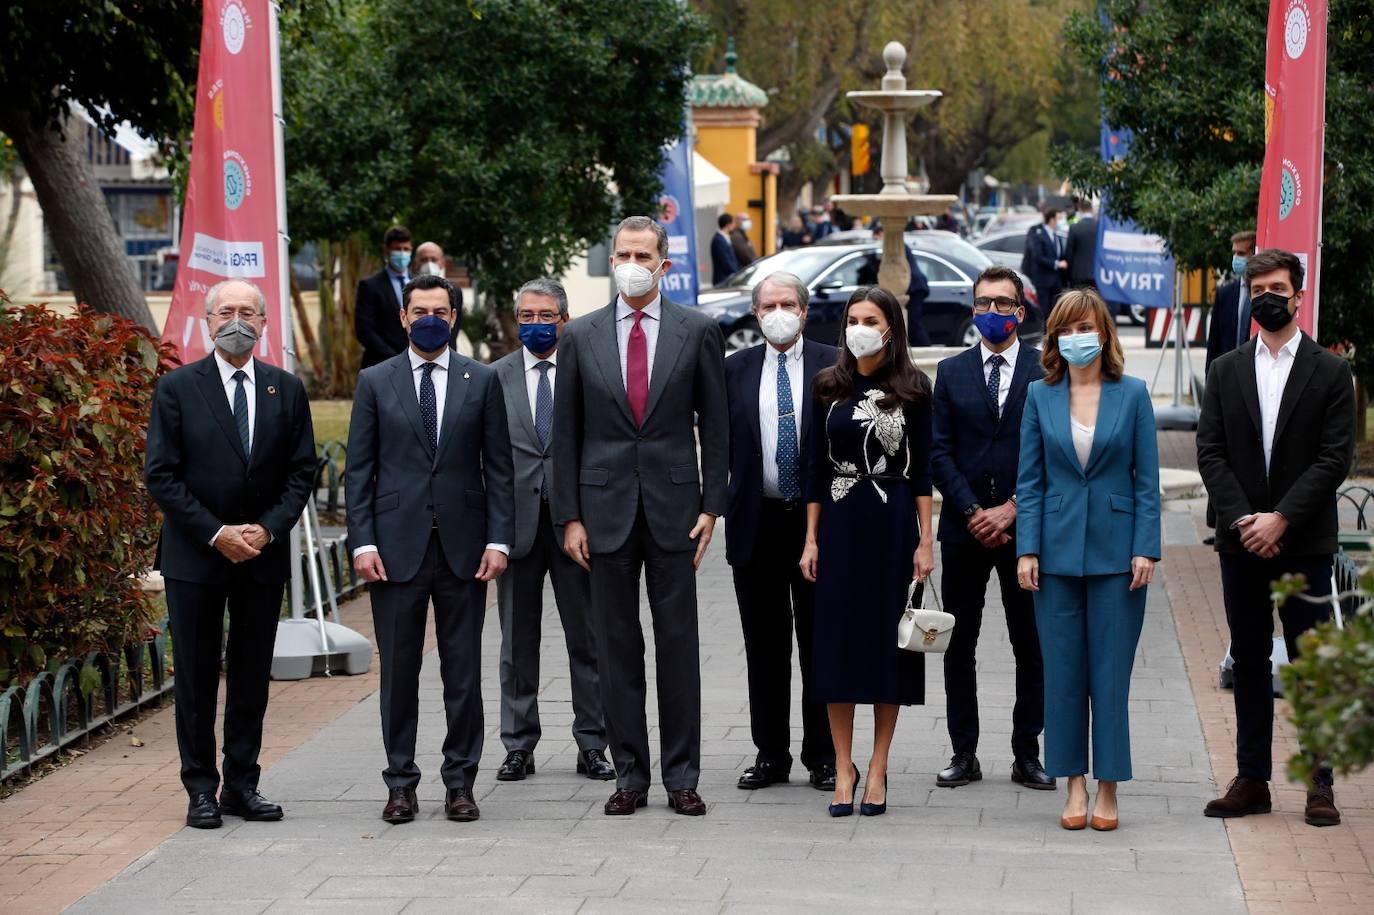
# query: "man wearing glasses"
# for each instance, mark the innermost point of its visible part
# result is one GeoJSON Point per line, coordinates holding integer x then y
{"type": "Point", "coordinates": [528, 376]}
{"type": "Point", "coordinates": [979, 396]}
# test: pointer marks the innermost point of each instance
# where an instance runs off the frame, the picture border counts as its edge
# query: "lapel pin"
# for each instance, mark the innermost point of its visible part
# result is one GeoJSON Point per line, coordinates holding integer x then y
{"type": "Point", "coordinates": [271, 389]}
{"type": "Point", "coordinates": [466, 375]}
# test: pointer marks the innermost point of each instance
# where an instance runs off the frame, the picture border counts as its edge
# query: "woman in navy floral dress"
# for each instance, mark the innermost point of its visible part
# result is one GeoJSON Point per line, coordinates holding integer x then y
{"type": "Point", "coordinates": [868, 533]}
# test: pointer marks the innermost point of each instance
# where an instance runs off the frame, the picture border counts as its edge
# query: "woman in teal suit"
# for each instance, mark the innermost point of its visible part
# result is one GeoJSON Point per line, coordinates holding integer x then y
{"type": "Point", "coordinates": [1087, 534]}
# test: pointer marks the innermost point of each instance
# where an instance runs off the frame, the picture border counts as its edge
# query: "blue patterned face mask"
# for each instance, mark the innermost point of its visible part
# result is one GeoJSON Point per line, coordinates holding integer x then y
{"type": "Point", "coordinates": [1080, 349]}
{"type": "Point", "coordinates": [429, 333]}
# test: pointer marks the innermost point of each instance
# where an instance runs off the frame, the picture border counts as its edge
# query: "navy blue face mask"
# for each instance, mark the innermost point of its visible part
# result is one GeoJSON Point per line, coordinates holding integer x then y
{"type": "Point", "coordinates": [429, 334]}
{"type": "Point", "coordinates": [539, 338]}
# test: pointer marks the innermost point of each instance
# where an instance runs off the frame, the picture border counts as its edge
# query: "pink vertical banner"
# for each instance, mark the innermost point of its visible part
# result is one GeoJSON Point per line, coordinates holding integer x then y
{"type": "Point", "coordinates": [1290, 204]}
{"type": "Point", "coordinates": [230, 226]}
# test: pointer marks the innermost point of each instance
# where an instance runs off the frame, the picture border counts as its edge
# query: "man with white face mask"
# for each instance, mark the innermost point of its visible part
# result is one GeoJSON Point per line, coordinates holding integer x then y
{"type": "Point", "coordinates": [768, 387]}
{"type": "Point", "coordinates": [639, 382]}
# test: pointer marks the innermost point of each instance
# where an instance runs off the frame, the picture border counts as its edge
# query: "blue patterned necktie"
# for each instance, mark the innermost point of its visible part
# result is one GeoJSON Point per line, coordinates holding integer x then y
{"type": "Point", "coordinates": [241, 412]}
{"type": "Point", "coordinates": [543, 417]}
{"type": "Point", "coordinates": [429, 411]}
{"type": "Point", "coordinates": [995, 379]}
{"type": "Point", "coordinates": [789, 483]}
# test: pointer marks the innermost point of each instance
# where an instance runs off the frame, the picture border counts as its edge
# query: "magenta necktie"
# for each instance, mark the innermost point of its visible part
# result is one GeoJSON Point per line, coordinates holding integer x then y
{"type": "Point", "coordinates": [637, 370]}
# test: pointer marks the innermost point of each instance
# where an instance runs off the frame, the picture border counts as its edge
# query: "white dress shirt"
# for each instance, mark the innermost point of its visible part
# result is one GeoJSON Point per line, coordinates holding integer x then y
{"type": "Point", "coordinates": [1004, 381]}
{"type": "Point", "coordinates": [1082, 441]}
{"type": "Point", "coordinates": [768, 409]}
{"type": "Point", "coordinates": [1271, 377]}
{"type": "Point", "coordinates": [532, 376]}
{"type": "Point", "coordinates": [625, 322]}
{"type": "Point", "coordinates": [250, 389]}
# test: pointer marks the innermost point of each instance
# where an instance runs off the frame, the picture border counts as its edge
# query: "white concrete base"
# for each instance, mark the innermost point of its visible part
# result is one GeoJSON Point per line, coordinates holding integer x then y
{"type": "Point", "coordinates": [298, 653]}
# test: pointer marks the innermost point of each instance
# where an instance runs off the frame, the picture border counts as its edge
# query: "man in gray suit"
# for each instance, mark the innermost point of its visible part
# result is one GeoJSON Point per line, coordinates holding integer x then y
{"type": "Point", "coordinates": [636, 379]}
{"type": "Point", "coordinates": [429, 484]}
{"type": "Point", "coordinates": [528, 377]}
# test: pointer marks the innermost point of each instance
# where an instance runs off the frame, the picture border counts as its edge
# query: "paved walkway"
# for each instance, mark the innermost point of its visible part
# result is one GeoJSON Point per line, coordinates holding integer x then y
{"type": "Point", "coordinates": [544, 846]}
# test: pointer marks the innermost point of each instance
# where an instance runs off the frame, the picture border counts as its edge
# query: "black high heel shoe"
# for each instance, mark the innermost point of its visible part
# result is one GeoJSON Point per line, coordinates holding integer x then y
{"type": "Point", "coordinates": [875, 810]}
{"type": "Point", "coordinates": [844, 810]}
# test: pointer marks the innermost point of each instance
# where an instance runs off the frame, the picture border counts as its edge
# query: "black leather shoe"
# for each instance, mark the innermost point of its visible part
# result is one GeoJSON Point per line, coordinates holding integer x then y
{"type": "Point", "coordinates": [250, 805]}
{"type": "Point", "coordinates": [963, 768]}
{"type": "Point", "coordinates": [1030, 774]}
{"type": "Point", "coordinates": [762, 774]}
{"type": "Point", "coordinates": [459, 805]}
{"type": "Point", "coordinates": [594, 765]}
{"type": "Point", "coordinates": [823, 777]}
{"type": "Point", "coordinates": [203, 812]}
{"type": "Point", "coordinates": [625, 802]}
{"type": "Point", "coordinates": [518, 764]}
{"type": "Point", "coordinates": [401, 805]}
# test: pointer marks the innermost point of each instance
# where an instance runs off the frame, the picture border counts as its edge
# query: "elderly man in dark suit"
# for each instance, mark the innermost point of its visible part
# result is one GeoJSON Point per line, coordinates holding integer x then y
{"type": "Point", "coordinates": [975, 449]}
{"type": "Point", "coordinates": [768, 388]}
{"type": "Point", "coordinates": [430, 501]}
{"type": "Point", "coordinates": [1274, 443]}
{"type": "Point", "coordinates": [640, 382]}
{"type": "Point", "coordinates": [231, 462]}
{"type": "Point", "coordinates": [529, 377]}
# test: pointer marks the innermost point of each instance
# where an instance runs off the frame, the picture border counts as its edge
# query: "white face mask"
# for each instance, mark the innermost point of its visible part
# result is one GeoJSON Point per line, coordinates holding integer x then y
{"type": "Point", "coordinates": [781, 326]}
{"type": "Point", "coordinates": [863, 340]}
{"type": "Point", "coordinates": [634, 281]}
{"type": "Point", "coordinates": [747, 224]}
{"type": "Point", "coordinates": [432, 268]}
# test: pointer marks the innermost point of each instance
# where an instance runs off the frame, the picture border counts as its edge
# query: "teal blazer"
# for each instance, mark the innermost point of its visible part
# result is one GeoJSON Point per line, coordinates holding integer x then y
{"type": "Point", "coordinates": [1088, 521]}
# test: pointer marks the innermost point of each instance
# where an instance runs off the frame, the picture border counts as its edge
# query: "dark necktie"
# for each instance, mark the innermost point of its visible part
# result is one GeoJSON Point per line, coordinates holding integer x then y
{"type": "Point", "coordinates": [637, 370]}
{"type": "Point", "coordinates": [995, 379]}
{"type": "Point", "coordinates": [429, 411]}
{"type": "Point", "coordinates": [543, 416]}
{"type": "Point", "coordinates": [788, 482]}
{"type": "Point", "coordinates": [241, 412]}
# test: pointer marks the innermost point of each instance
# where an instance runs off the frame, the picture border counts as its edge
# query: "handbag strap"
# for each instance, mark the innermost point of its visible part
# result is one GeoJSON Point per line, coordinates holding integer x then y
{"type": "Point", "coordinates": [915, 585]}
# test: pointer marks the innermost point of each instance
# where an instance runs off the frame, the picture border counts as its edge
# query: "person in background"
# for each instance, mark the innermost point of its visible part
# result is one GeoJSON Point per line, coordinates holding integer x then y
{"type": "Point", "coordinates": [821, 226]}
{"type": "Point", "coordinates": [377, 304]}
{"type": "Point", "coordinates": [917, 290]}
{"type": "Point", "coordinates": [429, 259]}
{"type": "Point", "coordinates": [1088, 538]}
{"type": "Point", "coordinates": [1044, 260]}
{"type": "Point", "coordinates": [796, 235]}
{"type": "Point", "coordinates": [1229, 326]}
{"type": "Point", "coordinates": [1080, 252]}
{"type": "Point", "coordinates": [739, 240]}
{"type": "Point", "coordinates": [723, 263]}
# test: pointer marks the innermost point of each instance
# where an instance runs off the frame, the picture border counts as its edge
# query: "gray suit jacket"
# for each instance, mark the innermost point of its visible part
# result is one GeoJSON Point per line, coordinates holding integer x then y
{"type": "Point", "coordinates": [604, 465]}
{"type": "Point", "coordinates": [395, 486]}
{"type": "Point", "coordinates": [533, 462]}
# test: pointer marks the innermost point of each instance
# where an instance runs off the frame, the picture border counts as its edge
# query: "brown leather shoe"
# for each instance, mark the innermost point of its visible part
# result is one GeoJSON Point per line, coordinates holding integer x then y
{"type": "Point", "coordinates": [687, 802]}
{"type": "Point", "coordinates": [1243, 796]}
{"type": "Point", "coordinates": [1321, 807]}
{"type": "Point", "coordinates": [459, 805]}
{"type": "Point", "coordinates": [401, 806]}
{"type": "Point", "coordinates": [624, 802]}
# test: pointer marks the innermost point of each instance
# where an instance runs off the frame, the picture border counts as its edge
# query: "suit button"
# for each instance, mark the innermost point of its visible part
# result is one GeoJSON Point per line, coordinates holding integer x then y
{"type": "Point", "coordinates": [1083, 482]}
{"type": "Point", "coordinates": [636, 471]}
{"type": "Point", "coordinates": [536, 489]}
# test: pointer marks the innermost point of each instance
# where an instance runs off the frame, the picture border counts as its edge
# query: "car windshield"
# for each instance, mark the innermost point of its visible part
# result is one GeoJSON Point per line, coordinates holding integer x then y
{"type": "Point", "coordinates": [806, 263]}
{"type": "Point", "coordinates": [950, 245]}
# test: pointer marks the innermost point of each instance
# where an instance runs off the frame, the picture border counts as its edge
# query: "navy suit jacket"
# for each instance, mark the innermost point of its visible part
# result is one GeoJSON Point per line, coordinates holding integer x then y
{"type": "Point", "coordinates": [1042, 253]}
{"type": "Point", "coordinates": [973, 452]}
{"type": "Point", "coordinates": [1223, 333]}
{"type": "Point", "coordinates": [744, 495]}
{"type": "Point", "coordinates": [723, 263]}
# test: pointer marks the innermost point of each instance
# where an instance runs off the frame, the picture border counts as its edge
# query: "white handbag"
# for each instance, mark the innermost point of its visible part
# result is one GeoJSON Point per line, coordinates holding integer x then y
{"type": "Point", "coordinates": [921, 629]}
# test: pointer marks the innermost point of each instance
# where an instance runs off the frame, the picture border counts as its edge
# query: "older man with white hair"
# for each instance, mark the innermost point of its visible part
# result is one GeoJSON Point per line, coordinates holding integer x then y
{"type": "Point", "coordinates": [231, 461]}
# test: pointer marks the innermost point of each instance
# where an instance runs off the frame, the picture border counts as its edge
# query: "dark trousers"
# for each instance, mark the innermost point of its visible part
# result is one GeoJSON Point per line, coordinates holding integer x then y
{"type": "Point", "coordinates": [620, 658]}
{"type": "Point", "coordinates": [520, 603]}
{"type": "Point", "coordinates": [399, 613]}
{"type": "Point", "coordinates": [1245, 580]}
{"type": "Point", "coordinates": [773, 599]}
{"type": "Point", "coordinates": [196, 614]}
{"type": "Point", "coordinates": [916, 333]}
{"type": "Point", "coordinates": [964, 583]}
{"type": "Point", "coordinates": [1048, 294]}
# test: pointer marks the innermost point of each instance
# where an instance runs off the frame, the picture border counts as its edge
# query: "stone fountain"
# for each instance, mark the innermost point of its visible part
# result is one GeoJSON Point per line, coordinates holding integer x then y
{"type": "Point", "coordinates": [895, 203]}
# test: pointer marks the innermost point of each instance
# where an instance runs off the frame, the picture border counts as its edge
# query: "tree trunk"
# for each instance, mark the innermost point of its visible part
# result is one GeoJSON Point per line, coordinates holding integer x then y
{"type": "Point", "coordinates": [307, 340]}
{"type": "Point", "coordinates": [77, 219]}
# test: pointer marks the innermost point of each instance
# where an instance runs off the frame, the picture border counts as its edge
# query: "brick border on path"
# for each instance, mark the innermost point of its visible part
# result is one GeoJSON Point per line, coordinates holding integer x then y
{"type": "Point", "coordinates": [1285, 865]}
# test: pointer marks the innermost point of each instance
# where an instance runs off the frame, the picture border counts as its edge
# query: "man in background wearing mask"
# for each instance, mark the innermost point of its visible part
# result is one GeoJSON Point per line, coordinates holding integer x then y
{"type": "Point", "coordinates": [378, 300]}
{"type": "Point", "coordinates": [1230, 321]}
{"type": "Point", "coordinates": [723, 263]}
{"type": "Point", "coordinates": [739, 240]}
{"type": "Point", "coordinates": [430, 259]}
{"type": "Point", "coordinates": [1274, 443]}
{"type": "Point", "coordinates": [429, 482]}
{"type": "Point", "coordinates": [639, 382]}
{"type": "Point", "coordinates": [768, 388]}
{"type": "Point", "coordinates": [231, 463]}
{"type": "Point", "coordinates": [975, 449]}
{"type": "Point", "coordinates": [529, 377]}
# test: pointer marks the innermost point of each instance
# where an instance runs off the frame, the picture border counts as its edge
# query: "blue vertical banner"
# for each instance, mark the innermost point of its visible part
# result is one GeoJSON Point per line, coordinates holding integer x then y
{"type": "Point", "coordinates": [1131, 266]}
{"type": "Point", "coordinates": [678, 217]}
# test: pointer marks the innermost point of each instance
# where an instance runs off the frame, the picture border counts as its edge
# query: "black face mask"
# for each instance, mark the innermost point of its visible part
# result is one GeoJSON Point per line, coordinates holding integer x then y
{"type": "Point", "coordinates": [1271, 311]}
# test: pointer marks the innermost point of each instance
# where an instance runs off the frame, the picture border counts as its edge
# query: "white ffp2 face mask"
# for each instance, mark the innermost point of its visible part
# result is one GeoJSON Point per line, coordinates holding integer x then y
{"type": "Point", "coordinates": [863, 340]}
{"type": "Point", "coordinates": [780, 326]}
{"type": "Point", "coordinates": [634, 281]}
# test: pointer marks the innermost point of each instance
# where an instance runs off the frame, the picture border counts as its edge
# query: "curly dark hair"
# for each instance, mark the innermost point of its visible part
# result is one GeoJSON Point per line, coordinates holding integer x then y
{"type": "Point", "coordinates": [898, 376]}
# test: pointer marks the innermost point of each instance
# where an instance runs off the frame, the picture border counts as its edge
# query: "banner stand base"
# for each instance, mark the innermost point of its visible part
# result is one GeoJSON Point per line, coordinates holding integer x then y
{"type": "Point", "coordinates": [297, 653]}
{"type": "Point", "coordinates": [1181, 417]}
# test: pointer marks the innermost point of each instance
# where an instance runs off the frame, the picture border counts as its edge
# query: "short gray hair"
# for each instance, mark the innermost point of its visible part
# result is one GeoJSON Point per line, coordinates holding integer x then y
{"type": "Point", "coordinates": [783, 278]}
{"type": "Point", "coordinates": [644, 224]}
{"type": "Point", "coordinates": [212, 294]}
{"type": "Point", "coordinates": [545, 286]}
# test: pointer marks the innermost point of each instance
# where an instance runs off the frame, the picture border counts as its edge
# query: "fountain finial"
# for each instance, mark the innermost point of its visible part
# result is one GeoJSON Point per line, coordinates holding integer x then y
{"type": "Point", "coordinates": [730, 55]}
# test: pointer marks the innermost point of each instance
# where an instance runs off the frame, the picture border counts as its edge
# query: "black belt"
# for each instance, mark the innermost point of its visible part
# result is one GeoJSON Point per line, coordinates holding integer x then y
{"type": "Point", "coordinates": [786, 505]}
{"type": "Point", "coordinates": [876, 477]}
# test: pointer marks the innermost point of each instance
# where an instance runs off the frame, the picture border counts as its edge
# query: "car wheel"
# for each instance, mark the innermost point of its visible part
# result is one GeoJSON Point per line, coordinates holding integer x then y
{"type": "Point", "coordinates": [967, 335]}
{"type": "Point", "coordinates": [744, 335]}
{"type": "Point", "coordinates": [1137, 314]}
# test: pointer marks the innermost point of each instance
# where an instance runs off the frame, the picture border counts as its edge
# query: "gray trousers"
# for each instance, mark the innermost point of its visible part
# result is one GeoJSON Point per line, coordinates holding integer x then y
{"type": "Point", "coordinates": [520, 604]}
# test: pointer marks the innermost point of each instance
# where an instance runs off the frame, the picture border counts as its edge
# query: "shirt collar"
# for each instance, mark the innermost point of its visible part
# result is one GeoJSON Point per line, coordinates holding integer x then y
{"type": "Point", "coordinates": [226, 370]}
{"type": "Point", "coordinates": [793, 352]}
{"type": "Point", "coordinates": [1291, 347]}
{"type": "Point", "coordinates": [1008, 354]}
{"type": "Point", "coordinates": [531, 360]}
{"type": "Point", "coordinates": [653, 310]}
{"type": "Point", "coordinates": [417, 360]}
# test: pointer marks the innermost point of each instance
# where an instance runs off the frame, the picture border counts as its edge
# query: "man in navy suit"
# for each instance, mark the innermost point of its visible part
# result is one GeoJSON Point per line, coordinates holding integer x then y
{"type": "Point", "coordinates": [723, 262]}
{"type": "Point", "coordinates": [768, 388]}
{"type": "Point", "coordinates": [976, 441]}
{"type": "Point", "coordinates": [1230, 323]}
{"type": "Point", "coordinates": [1044, 261]}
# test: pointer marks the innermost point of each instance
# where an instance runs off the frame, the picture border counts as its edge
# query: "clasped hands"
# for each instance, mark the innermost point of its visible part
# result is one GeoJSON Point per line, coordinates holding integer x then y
{"type": "Point", "coordinates": [239, 542]}
{"type": "Point", "coordinates": [989, 526]}
{"type": "Point", "coordinates": [1261, 532]}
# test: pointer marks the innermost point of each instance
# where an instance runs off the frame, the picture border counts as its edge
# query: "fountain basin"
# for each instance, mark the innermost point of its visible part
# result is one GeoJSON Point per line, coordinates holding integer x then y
{"type": "Point", "coordinates": [894, 205]}
{"type": "Point", "coordinates": [894, 99]}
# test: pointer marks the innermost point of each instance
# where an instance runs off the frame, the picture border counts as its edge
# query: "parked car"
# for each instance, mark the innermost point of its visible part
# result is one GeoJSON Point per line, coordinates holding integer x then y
{"type": "Point", "coordinates": [1007, 244]}
{"type": "Point", "coordinates": [833, 272]}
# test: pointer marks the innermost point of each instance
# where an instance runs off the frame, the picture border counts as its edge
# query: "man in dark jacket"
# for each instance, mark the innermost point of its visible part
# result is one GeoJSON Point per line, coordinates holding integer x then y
{"type": "Point", "coordinates": [1230, 322]}
{"type": "Point", "coordinates": [1081, 250]}
{"type": "Point", "coordinates": [723, 263]}
{"type": "Point", "coordinates": [377, 305]}
{"type": "Point", "coordinates": [1044, 261]}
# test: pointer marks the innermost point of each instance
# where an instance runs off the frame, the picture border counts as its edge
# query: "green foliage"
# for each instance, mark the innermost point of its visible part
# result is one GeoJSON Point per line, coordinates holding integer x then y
{"type": "Point", "coordinates": [76, 525]}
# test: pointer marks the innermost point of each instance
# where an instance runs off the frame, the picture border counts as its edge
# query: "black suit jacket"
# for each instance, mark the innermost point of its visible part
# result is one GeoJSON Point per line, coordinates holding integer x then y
{"type": "Point", "coordinates": [1081, 250]}
{"type": "Point", "coordinates": [1314, 443]}
{"type": "Point", "coordinates": [974, 454]}
{"type": "Point", "coordinates": [723, 263]}
{"type": "Point", "coordinates": [1223, 331]}
{"type": "Point", "coordinates": [1042, 252]}
{"type": "Point", "coordinates": [744, 495]}
{"type": "Point", "coordinates": [396, 485]}
{"type": "Point", "coordinates": [377, 318]}
{"type": "Point", "coordinates": [197, 472]}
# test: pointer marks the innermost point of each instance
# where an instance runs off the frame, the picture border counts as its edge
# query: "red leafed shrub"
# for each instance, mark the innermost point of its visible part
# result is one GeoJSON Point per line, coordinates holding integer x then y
{"type": "Point", "coordinates": [77, 527]}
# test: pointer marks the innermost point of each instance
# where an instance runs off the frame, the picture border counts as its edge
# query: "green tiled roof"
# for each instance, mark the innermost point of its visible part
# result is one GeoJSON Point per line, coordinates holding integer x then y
{"type": "Point", "coordinates": [728, 89]}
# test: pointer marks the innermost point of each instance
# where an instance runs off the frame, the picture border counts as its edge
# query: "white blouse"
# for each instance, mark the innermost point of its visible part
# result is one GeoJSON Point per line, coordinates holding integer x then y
{"type": "Point", "coordinates": [1082, 442]}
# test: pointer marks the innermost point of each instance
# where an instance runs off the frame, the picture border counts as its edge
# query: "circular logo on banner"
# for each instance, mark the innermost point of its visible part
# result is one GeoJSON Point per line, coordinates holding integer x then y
{"type": "Point", "coordinates": [1290, 189]}
{"type": "Point", "coordinates": [233, 25]}
{"type": "Point", "coordinates": [238, 182]}
{"type": "Point", "coordinates": [668, 209]}
{"type": "Point", "coordinates": [1295, 27]}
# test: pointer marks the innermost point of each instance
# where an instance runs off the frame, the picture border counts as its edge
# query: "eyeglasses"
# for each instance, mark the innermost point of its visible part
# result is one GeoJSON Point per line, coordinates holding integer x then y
{"type": "Point", "coordinates": [537, 317]}
{"type": "Point", "coordinates": [227, 314]}
{"type": "Point", "coordinates": [1005, 306]}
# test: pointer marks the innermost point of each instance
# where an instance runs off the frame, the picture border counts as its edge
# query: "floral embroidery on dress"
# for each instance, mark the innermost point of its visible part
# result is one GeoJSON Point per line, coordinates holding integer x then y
{"type": "Point", "coordinates": [888, 426]}
{"type": "Point", "coordinates": [840, 485]}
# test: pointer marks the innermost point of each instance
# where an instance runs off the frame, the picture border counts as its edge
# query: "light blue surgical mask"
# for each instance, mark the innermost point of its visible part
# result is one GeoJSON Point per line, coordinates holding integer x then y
{"type": "Point", "coordinates": [1238, 264]}
{"type": "Point", "coordinates": [1080, 349]}
{"type": "Point", "coordinates": [399, 260]}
